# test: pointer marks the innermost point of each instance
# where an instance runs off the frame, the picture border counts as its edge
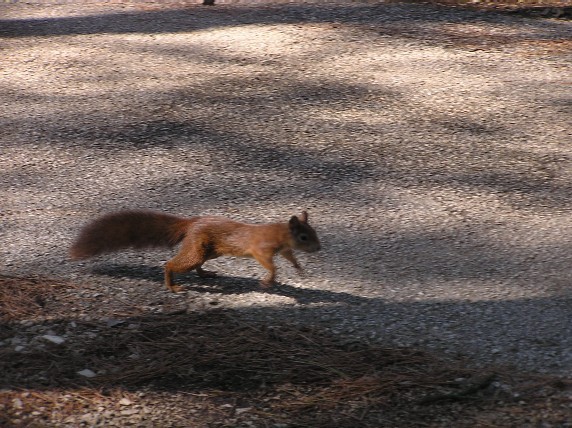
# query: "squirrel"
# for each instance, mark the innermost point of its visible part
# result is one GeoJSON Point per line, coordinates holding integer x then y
{"type": "Point", "coordinates": [202, 238]}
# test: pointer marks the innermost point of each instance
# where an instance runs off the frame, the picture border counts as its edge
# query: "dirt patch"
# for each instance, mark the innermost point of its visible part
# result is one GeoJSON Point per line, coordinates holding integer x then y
{"type": "Point", "coordinates": [216, 369]}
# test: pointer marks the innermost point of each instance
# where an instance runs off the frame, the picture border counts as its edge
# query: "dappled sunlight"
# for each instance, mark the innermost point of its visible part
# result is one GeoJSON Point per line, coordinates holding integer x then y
{"type": "Point", "coordinates": [429, 146]}
{"type": "Point", "coordinates": [257, 41]}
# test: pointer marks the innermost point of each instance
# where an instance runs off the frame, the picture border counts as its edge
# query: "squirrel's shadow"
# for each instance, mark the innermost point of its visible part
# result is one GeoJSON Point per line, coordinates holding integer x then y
{"type": "Point", "coordinates": [226, 284]}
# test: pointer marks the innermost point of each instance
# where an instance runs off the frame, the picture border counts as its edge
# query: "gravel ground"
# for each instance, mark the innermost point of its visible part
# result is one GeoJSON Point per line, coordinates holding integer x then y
{"type": "Point", "coordinates": [430, 145]}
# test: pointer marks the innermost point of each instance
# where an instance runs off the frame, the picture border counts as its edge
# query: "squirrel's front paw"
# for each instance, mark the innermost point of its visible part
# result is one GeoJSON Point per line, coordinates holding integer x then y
{"type": "Point", "coordinates": [266, 283]}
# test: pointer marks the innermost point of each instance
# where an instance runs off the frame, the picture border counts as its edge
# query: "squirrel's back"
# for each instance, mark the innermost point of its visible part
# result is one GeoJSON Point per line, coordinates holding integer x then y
{"type": "Point", "coordinates": [129, 229]}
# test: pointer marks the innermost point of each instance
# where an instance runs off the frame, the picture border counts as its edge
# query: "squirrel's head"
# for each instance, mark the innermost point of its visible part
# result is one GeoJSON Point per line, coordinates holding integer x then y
{"type": "Point", "coordinates": [305, 237]}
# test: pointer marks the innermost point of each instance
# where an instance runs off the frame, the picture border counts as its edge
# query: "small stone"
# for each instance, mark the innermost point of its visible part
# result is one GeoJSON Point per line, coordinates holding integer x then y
{"type": "Point", "coordinates": [125, 402]}
{"type": "Point", "coordinates": [58, 340]}
{"type": "Point", "coordinates": [17, 403]}
{"type": "Point", "coordinates": [88, 417]}
{"type": "Point", "coordinates": [111, 322]}
{"type": "Point", "coordinates": [86, 373]}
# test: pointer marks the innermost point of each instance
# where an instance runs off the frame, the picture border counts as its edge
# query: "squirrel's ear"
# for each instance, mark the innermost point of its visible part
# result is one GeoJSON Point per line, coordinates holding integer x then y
{"type": "Point", "coordinates": [304, 217]}
{"type": "Point", "coordinates": [294, 221]}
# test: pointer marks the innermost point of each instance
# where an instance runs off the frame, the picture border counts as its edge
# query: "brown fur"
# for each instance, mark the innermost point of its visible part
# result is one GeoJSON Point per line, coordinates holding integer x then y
{"type": "Point", "coordinates": [203, 238]}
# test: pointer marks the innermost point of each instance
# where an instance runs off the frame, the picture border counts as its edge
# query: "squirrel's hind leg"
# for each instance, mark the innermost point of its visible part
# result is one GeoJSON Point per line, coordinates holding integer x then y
{"type": "Point", "coordinates": [171, 268]}
{"type": "Point", "coordinates": [187, 259]}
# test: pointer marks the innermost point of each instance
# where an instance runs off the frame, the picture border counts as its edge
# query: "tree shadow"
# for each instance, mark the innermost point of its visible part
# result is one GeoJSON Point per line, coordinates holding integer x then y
{"type": "Point", "coordinates": [404, 160]}
{"type": "Point", "coordinates": [183, 19]}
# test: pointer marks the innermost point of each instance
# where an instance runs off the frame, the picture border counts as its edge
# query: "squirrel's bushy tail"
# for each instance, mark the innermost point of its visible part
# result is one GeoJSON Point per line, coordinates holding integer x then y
{"type": "Point", "coordinates": [129, 229]}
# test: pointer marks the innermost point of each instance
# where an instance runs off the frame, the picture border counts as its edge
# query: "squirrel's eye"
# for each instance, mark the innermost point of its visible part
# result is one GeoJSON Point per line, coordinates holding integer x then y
{"type": "Point", "coordinates": [303, 237]}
